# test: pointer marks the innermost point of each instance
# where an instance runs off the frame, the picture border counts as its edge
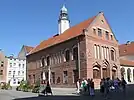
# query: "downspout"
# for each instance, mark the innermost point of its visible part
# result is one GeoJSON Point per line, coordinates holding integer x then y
{"type": "Point", "coordinates": [78, 44]}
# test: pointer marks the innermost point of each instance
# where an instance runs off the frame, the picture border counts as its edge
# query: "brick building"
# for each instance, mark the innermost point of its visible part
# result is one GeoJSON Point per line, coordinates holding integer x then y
{"type": "Point", "coordinates": [86, 50]}
{"type": "Point", "coordinates": [126, 52]}
{"type": "Point", "coordinates": [3, 67]}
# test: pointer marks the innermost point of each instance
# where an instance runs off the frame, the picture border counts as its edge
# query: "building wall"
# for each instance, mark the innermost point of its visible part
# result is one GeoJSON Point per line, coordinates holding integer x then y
{"type": "Point", "coordinates": [34, 62]}
{"type": "Point", "coordinates": [16, 71]}
{"type": "Point", "coordinates": [3, 67]}
{"type": "Point", "coordinates": [101, 42]}
{"type": "Point", "coordinates": [88, 60]}
{"type": "Point", "coordinates": [125, 75]}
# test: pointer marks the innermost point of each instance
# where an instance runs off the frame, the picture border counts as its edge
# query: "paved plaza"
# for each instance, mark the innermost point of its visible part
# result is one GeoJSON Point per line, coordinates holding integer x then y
{"type": "Point", "coordinates": [63, 94]}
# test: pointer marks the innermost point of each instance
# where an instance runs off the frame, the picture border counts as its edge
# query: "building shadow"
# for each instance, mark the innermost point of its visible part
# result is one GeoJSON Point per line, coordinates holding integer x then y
{"type": "Point", "coordinates": [51, 98]}
{"type": "Point", "coordinates": [98, 96]}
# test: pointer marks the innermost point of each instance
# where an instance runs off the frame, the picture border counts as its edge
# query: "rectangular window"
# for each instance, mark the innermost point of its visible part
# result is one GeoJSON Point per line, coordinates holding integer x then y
{"type": "Point", "coordinates": [18, 72]}
{"type": "Point", "coordinates": [99, 32]}
{"type": "Point", "coordinates": [107, 35]}
{"type": "Point", "coordinates": [65, 77]}
{"type": "Point", "coordinates": [53, 77]}
{"type": "Point", "coordinates": [10, 64]}
{"type": "Point", "coordinates": [1, 72]}
{"type": "Point", "coordinates": [23, 65]}
{"type": "Point", "coordinates": [14, 64]}
{"type": "Point", "coordinates": [22, 72]}
{"type": "Point", "coordinates": [9, 73]}
{"type": "Point", "coordinates": [13, 72]}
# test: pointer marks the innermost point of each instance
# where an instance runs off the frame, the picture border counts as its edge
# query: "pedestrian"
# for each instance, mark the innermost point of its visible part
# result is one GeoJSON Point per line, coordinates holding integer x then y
{"type": "Point", "coordinates": [84, 85]}
{"type": "Point", "coordinates": [78, 86]}
{"type": "Point", "coordinates": [123, 84]}
{"type": "Point", "coordinates": [102, 85]}
{"type": "Point", "coordinates": [88, 85]}
{"type": "Point", "coordinates": [47, 89]}
{"type": "Point", "coordinates": [107, 87]}
{"type": "Point", "coordinates": [92, 88]}
{"type": "Point", "coordinates": [116, 84]}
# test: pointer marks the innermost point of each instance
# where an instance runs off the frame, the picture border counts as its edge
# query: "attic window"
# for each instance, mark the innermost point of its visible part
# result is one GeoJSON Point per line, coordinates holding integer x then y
{"type": "Point", "coordinates": [102, 21]}
{"type": "Point", "coordinates": [94, 30]}
{"type": "Point", "coordinates": [111, 37]}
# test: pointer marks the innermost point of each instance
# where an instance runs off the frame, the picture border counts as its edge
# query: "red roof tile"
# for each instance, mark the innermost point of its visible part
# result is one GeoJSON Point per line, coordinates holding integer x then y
{"type": "Point", "coordinates": [126, 62]}
{"type": "Point", "coordinates": [68, 34]}
{"type": "Point", "coordinates": [126, 49]}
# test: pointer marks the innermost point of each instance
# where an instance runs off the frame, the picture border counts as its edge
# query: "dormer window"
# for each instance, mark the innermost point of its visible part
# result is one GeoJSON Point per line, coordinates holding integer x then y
{"type": "Point", "coordinates": [99, 32]}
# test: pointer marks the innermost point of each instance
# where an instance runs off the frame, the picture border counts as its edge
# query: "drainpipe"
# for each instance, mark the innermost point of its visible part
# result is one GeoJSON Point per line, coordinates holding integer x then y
{"type": "Point", "coordinates": [78, 44]}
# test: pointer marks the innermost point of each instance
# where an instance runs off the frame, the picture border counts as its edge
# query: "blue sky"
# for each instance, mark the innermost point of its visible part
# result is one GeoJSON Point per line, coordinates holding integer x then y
{"type": "Point", "coordinates": [29, 22]}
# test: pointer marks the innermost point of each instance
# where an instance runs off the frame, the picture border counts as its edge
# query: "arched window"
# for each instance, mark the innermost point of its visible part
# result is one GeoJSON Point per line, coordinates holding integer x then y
{"type": "Point", "coordinates": [42, 61]}
{"type": "Point", "coordinates": [112, 55]}
{"type": "Point", "coordinates": [75, 53]}
{"type": "Point", "coordinates": [96, 72]}
{"type": "Point", "coordinates": [128, 74]}
{"type": "Point", "coordinates": [48, 60]}
{"type": "Point", "coordinates": [67, 55]}
{"type": "Point", "coordinates": [41, 75]}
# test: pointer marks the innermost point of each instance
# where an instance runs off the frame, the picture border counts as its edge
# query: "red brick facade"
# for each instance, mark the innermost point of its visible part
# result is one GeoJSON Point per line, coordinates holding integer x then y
{"type": "Point", "coordinates": [94, 63]}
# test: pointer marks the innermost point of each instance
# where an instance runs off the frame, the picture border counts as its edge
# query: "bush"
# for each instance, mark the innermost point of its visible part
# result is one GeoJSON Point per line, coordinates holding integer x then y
{"type": "Point", "coordinates": [18, 88]}
{"type": "Point", "coordinates": [36, 89]}
{"type": "Point", "coordinates": [6, 86]}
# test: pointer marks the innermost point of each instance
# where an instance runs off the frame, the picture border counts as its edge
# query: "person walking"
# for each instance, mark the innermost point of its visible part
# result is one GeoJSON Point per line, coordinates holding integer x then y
{"type": "Point", "coordinates": [107, 87]}
{"type": "Point", "coordinates": [84, 85]}
{"type": "Point", "coordinates": [47, 89]}
{"type": "Point", "coordinates": [92, 88]}
{"type": "Point", "coordinates": [88, 85]}
{"type": "Point", "coordinates": [78, 86]}
{"type": "Point", "coordinates": [123, 84]}
{"type": "Point", "coordinates": [116, 84]}
{"type": "Point", "coordinates": [102, 85]}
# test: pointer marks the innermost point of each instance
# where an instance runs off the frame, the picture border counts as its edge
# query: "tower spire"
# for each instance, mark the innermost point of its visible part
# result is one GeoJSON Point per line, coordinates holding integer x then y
{"type": "Point", "coordinates": [63, 19]}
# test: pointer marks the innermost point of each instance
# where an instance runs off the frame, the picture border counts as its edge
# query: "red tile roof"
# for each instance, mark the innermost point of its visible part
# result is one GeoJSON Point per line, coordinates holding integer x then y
{"type": "Point", "coordinates": [126, 62]}
{"type": "Point", "coordinates": [28, 48]}
{"type": "Point", "coordinates": [126, 49]}
{"type": "Point", "coordinates": [68, 34]}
